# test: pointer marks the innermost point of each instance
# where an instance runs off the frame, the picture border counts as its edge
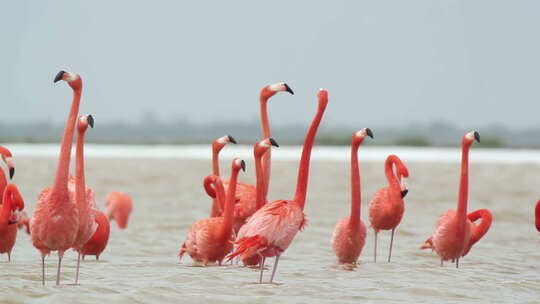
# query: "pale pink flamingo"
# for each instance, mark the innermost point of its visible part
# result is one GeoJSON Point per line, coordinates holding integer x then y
{"type": "Point", "coordinates": [452, 234]}
{"type": "Point", "coordinates": [386, 207]}
{"type": "Point", "coordinates": [55, 223]}
{"type": "Point", "coordinates": [84, 196]}
{"type": "Point", "coordinates": [97, 243]}
{"type": "Point", "coordinates": [209, 240]}
{"type": "Point", "coordinates": [349, 235]}
{"type": "Point", "coordinates": [12, 202]}
{"type": "Point", "coordinates": [119, 206]}
{"type": "Point", "coordinates": [246, 193]}
{"type": "Point", "coordinates": [477, 230]}
{"type": "Point", "coordinates": [270, 231]}
{"type": "Point", "coordinates": [217, 145]}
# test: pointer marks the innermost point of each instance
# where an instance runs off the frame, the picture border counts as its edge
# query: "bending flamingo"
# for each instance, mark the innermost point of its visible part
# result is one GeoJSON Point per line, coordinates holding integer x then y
{"type": "Point", "coordinates": [119, 208]}
{"type": "Point", "coordinates": [55, 223]}
{"type": "Point", "coordinates": [452, 234]}
{"type": "Point", "coordinates": [217, 145]}
{"type": "Point", "coordinates": [246, 193]}
{"type": "Point", "coordinates": [209, 240]}
{"type": "Point", "coordinates": [477, 231]}
{"type": "Point", "coordinates": [537, 212]}
{"type": "Point", "coordinates": [270, 231]}
{"type": "Point", "coordinates": [12, 202]}
{"type": "Point", "coordinates": [97, 243]}
{"type": "Point", "coordinates": [349, 235]}
{"type": "Point", "coordinates": [386, 207]}
{"type": "Point", "coordinates": [84, 196]}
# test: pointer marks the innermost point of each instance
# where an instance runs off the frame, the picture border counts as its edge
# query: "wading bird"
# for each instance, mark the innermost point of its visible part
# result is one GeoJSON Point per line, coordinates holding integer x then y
{"type": "Point", "coordinates": [12, 202]}
{"type": "Point", "coordinates": [97, 243]}
{"type": "Point", "coordinates": [119, 206]}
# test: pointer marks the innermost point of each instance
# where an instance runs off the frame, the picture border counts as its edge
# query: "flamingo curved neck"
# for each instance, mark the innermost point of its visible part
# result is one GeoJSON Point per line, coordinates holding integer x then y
{"type": "Point", "coordinates": [215, 170]}
{"type": "Point", "coordinates": [463, 185]}
{"type": "Point", "coordinates": [62, 171]}
{"type": "Point", "coordinates": [80, 183]}
{"type": "Point", "coordinates": [303, 168]}
{"type": "Point", "coordinates": [229, 204]}
{"type": "Point", "coordinates": [355, 186]}
{"type": "Point", "coordinates": [391, 177]}
{"type": "Point", "coordinates": [5, 212]}
{"type": "Point", "coordinates": [266, 159]}
{"type": "Point", "coordinates": [260, 197]}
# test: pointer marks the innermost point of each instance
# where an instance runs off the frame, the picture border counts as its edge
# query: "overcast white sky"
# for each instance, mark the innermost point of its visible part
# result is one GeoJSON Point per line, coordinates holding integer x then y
{"type": "Point", "coordinates": [391, 62]}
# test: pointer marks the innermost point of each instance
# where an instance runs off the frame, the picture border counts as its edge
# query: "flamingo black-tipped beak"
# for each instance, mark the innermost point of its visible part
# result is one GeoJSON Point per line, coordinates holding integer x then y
{"type": "Point", "coordinates": [90, 120]}
{"type": "Point", "coordinates": [288, 89]}
{"type": "Point", "coordinates": [477, 136]}
{"type": "Point", "coordinates": [12, 222]}
{"type": "Point", "coordinates": [243, 165]}
{"type": "Point", "coordinates": [274, 142]}
{"type": "Point", "coordinates": [231, 139]}
{"type": "Point", "coordinates": [59, 76]}
{"type": "Point", "coordinates": [369, 132]}
{"type": "Point", "coordinates": [11, 172]}
{"type": "Point", "coordinates": [404, 193]}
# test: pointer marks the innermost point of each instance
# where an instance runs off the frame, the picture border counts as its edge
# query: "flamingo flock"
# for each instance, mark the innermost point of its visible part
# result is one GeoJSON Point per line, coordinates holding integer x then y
{"type": "Point", "coordinates": [242, 223]}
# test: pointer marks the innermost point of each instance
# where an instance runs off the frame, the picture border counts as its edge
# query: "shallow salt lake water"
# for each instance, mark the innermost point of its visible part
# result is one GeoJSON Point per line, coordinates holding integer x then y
{"type": "Point", "coordinates": [140, 264]}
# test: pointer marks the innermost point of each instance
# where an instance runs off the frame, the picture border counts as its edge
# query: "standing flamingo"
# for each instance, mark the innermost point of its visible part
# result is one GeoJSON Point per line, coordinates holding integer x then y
{"type": "Point", "coordinates": [537, 212]}
{"type": "Point", "coordinates": [97, 243]}
{"type": "Point", "coordinates": [119, 208]}
{"type": "Point", "coordinates": [7, 158]}
{"type": "Point", "coordinates": [247, 193]}
{"type": "Point", "coordinates": [386, 207]}
{"type": "Point", "coordinates": [270, 231]}
{"type": "Point", "coordinates": [209, 240]}
{"type": "Point", "coordinates": [84, 196]}
{"type": "Point", "coordinates": [217, 145]}
{"type": "Point", "coordinates": [55, 223]}
{"type": "Point", "coordinates": [452, 234]}
{"type": "Point", "coordinates": [349, 235]}
{"type": "Point", "coordinates": [12, 201]}
{"type": "Point", "coordinates": [477, 231]}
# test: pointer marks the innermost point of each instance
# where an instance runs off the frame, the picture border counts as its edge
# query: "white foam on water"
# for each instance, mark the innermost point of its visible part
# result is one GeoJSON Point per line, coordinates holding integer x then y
{"type": "Point", "coordinates": [332, 153]}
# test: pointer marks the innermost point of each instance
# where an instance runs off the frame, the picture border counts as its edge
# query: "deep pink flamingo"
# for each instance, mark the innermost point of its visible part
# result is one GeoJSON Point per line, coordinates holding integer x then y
{"type": "Point", "coordinates": [349, 235]}
{"type": "Point", "coordinates": [452, 234]}
{"type": "Point", "coordinates": [7, 158]}
{"type": "Point", "coordinates": [12, 202]}
{"type": "Point", "coordinates": [537, 213]}
{"type": "Point", "coordinates": [386, 207]}
{"type": "Point", "coordinates": [270, 231]}
{"type": "Point", "coordinates": [210, 240]}
{"type": "Point", "coordinates": [55, 223]}
{"type": "Point", "coordinates": [119, 206]}
{"type": "Point", "coordinates": [84, 196]}
{"type": "Point", "coordinates": [217, 146]}
{"type": "Point", "coordinates": [97, 243]}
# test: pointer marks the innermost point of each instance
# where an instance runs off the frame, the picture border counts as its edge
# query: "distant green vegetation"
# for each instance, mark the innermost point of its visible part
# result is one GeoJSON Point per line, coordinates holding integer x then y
{"type": "Point", "coordinates": [334, 140]}
{"type": "Point", "coordinates": [416, 141]}
{"type": "Point", "coordinates": [490, 142]}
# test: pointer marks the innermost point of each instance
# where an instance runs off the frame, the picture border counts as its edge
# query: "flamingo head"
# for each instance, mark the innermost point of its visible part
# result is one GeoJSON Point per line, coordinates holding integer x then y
{"type": "Point", "coordinates": [264, 145]}
{"type": "Point", "coordinates": [403, 174]}
{"type": "Point", "coordinates": [219, 143]}
{"type": "Point", "coordinates": [323, 97]}
{"type": "Point", "coordinates": [358, 136]}
{"type": "Point", "coordinates": [470, 137]}
{"type": "Point", "coordinates": [271, 90]}
{"type": "Point", "coordinates": [238, 164]}
{"type": "Point", "coordinates": [8, 159]}
{"type": "Point", "coordinates": [84, 122]}
{"type": "Point", "coordinates": [74, 80]}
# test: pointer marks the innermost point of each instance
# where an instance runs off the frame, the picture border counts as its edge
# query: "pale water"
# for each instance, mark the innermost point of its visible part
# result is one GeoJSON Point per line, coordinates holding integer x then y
{"type": "Point", "coordinates": [140, 264]}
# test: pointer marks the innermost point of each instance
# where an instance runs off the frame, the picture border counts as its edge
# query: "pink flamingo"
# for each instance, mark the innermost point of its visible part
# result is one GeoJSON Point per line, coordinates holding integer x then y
{"type": "Point", "coordinates": [477, 231]}
{"type": "Point", "coordinates": [97, 243]}
{"type": "Point", "coordinates": [452, 234]}
{"type": "Point", "coordinates": [349, 235]}
{"type": "Point", "coordinates": [537, 212]}
{"type": "Point", "coordinates": [270, 231]}
{"type": "Point", "coordinates": [55, 223]}
{"type": "Point", "coordinates": [119, 206]}
{"type": "Point", "coordinates": [217, 145]}
{"type": "Point", "coordinates": [7, 158]}
{"type": "Point", "coordinates": [246, 193]}
{"type": "Point", "coordinates": [386, 207]}
{"type": "Point", "coordinates": [12, 201]}
{"type": "Point", "coordinates": [84, 196]}
{"type": "Point", "coordinates": [209, 240]}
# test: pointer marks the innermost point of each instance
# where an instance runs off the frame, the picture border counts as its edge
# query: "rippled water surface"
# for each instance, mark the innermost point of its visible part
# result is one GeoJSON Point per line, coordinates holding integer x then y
{"type": "Point", "coordinates": [140, 264]}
